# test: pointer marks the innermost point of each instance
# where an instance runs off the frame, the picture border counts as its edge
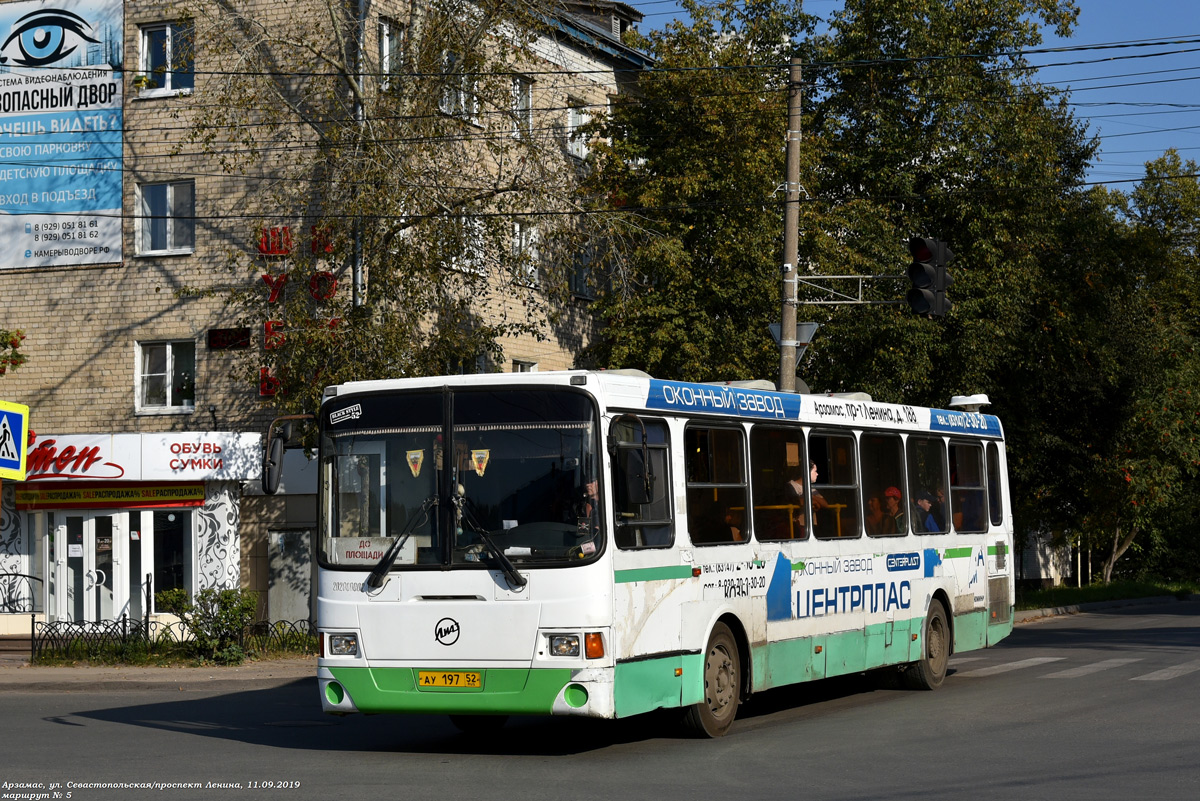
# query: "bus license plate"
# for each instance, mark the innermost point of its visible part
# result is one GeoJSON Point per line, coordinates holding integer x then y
{"type": "Point", "coordinates": [449, 678]}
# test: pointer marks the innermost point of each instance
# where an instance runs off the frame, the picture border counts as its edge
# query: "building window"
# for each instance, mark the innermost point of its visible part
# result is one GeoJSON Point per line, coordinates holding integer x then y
{"type": "Point", "coordinates": [465, 239]}
{"type": "Point", "coordinates": [458, 93]}
{"type": "Point", "coordinates": [526, 256]}
{"type": "Point", "coordinates": [168, 217]}
{"type": "Point", "coordinates": [391, 41]}
{"type": "Point", "coordinates": [166, 377]}
{"type": "Point", "coordinates": [522, 107]}
{"type": "Point", "coordinates": [166, 64]}
{"type": "Point", "coordinates": [577, 117]}
{"type": "Point", "coordinates": [519, 366]}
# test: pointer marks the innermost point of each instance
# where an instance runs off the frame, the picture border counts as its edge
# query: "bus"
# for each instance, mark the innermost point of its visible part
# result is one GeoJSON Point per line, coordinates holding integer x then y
{"type": "Point", "coordinates": [605, 544]}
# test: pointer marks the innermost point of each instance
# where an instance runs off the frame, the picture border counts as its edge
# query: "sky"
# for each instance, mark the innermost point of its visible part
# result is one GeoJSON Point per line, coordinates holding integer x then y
{"type": "Point", "coordinates": [1138, 107]}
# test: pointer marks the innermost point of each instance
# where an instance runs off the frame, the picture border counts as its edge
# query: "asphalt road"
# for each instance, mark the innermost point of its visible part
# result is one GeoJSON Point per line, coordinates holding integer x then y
{"type": "Point", "coordinates": [1093, 706]}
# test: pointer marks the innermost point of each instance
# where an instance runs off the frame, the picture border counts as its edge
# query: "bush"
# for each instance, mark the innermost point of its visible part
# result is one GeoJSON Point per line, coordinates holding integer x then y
{"type": "Point", "coordinates": [217, 620]}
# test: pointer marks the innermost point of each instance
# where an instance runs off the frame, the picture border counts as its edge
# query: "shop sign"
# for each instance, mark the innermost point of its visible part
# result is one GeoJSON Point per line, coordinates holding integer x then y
{"type": "Point", "coordinates": [209, 455]}
{"type": "Point", "coordinates": [176, 456]}
{"type": "Point", "coordinates": [116, 495]}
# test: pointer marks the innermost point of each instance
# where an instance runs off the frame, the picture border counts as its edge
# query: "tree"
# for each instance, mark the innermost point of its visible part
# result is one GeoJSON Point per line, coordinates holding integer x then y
{"type": "Point", "coordinates": [11, 357]}
{"type": "Point", "coordinates": [410, 165]}
{"type": "Point", "coordinates": [688, 183]}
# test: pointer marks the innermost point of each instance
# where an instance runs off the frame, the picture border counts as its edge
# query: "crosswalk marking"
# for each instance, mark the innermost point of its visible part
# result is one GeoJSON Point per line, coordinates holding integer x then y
{"type": "Point", "coordinates": [1171, 672]}
{"type": "Point", "coordinates": [1007, 666]}
{"type": "Point", "coordinates": [1095, 667]}
{"type": "Point", "coordinates": [958, 660]}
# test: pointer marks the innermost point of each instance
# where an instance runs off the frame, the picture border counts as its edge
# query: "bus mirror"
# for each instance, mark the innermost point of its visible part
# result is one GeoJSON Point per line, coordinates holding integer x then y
{"type": "Point", "coordinates": [272, 472]}
{"type": "Point", "coordinates": [634, 479]}
{"type": "Point", "coordinates": [272, 469]}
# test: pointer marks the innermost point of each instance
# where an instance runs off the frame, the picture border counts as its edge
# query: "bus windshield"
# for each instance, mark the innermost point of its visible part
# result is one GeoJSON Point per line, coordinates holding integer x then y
{"type": "Point", "coordinates": [512, 472]}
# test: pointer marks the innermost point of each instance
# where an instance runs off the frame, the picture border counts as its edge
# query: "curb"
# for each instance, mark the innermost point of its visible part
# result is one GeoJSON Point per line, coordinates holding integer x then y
{"type": "Point", "coordinates": [1030, 615]}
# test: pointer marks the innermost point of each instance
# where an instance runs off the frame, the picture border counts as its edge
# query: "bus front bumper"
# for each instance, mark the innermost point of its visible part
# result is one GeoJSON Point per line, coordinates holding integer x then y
{"type": "Point", "coordinates": [502, 691]}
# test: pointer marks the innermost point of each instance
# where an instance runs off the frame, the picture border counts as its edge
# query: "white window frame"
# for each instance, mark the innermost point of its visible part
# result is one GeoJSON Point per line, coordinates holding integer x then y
{"type": "Point", "coordinates": [522, 366]}
{"type": "Point", "coordinates": [522, 107]}
{"type": "Point", "coordinates": [459, 98]}
{"type": "Point", "coordinates": [577, 117]}
{"type": "Point", "coordinates": [168, 378]}
{"type": "Point", "coordinates": [526, 252]}
{"type": "Point", "coordinates": [180, 239]}
{"type": "Point", "coordinates": [391, 39]}
{"type": "Point", "coordinates": [174, 31]}
{"type": "Point", "coordinates": [469, 257]}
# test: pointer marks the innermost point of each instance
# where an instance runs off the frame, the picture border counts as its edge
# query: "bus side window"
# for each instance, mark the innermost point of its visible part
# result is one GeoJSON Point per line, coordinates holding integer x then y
{"type": "Point", "coordinates": [881, 459]}
{"type": "Point", "coordinates": [967, 495]}
{"type": "Point", "coordinates": [716, 485]}
{"type": "Point", "coordinates": [995, 504]}
{"type": "Point", "coordinates": [638, 524]}
{"type": "Point", "coordinates": [777, 457]}
{"type": "Point", "coordinates": [927, 506]}
{"type": "Point", "coordinates": [834, 498]}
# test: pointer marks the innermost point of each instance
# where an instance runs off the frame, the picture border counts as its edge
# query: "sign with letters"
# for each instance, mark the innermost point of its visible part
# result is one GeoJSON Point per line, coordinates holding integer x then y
{"type": "Point", "coordinates": [61, 71]}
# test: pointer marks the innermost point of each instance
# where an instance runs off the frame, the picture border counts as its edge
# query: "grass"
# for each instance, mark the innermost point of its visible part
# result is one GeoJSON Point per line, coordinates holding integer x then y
{"type": "Point", "coordinates": [1117, 591]}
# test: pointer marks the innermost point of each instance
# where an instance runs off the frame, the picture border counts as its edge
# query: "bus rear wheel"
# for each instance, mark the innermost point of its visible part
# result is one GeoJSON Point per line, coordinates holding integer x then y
{"type": "Point", "coordinates": [713, 715]}
{"type": "Point", "coordinates": [929, 672]}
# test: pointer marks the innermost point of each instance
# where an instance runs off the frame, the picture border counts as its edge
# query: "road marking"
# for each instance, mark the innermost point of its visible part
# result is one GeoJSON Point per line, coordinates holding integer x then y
{"type": "Point", "coordinates": [1095, 667]}
{"type": "Point", "coordinates": [958, 660]}
{"type": "Point", "coordinates": [1007, 666]}
{"type": "Point", "coordinates": [1171, 672]}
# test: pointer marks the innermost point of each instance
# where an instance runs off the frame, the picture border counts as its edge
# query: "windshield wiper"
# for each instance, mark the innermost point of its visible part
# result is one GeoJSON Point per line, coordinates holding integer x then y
{"type": "Point", "coordinates": [380, 571]}
{"type": "Point", "coordinates": [510, 570]}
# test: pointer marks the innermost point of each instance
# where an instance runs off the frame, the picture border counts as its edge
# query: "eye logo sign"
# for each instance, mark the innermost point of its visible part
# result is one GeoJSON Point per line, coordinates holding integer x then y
{"type": "Point", "coordinates": [44, 37]}
{"type": "Point", "coordinates": [446, 631]}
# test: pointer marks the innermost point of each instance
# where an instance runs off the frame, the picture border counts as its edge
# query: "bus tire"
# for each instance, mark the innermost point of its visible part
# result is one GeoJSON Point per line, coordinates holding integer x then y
{"type": "Point", "coordinates": [929, 672]}
{"type": "Point", "coordinates": [478, 724]}
{"type": "Point", "coordinates": [713, 716]}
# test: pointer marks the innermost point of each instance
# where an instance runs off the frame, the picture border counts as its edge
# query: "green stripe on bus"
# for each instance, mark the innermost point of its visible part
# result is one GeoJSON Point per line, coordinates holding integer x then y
{"type": "Point", "coordinates": [665, 683]}
{"type": "Point", "coordinates": [996, 550]}
{"type": "Point", "coordinates": [653, 573]}
{"type": "Point", "coordinates": [957, 553]}
{"type": "Point", "coordinates": [506, 691]}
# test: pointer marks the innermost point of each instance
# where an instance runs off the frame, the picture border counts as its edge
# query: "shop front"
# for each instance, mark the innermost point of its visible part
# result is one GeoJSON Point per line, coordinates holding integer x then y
{"type": "Point", "coordinates": [103, 522]}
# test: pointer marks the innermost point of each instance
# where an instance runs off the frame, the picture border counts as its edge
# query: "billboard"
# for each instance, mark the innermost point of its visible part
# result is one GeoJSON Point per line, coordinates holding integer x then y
{"type": "Point", "coordinates": [61, 67]}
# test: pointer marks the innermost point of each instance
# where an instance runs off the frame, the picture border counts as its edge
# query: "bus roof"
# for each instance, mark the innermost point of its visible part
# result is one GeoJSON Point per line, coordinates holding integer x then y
{"type": "Point", "coordinates": [633, 390]}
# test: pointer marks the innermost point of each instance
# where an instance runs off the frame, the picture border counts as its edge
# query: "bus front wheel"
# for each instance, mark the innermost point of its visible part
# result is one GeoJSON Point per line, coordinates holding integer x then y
{"type": "Point", "coordinates": [713, 715]}
{"type": "Point", "coordinates": [929, 672]}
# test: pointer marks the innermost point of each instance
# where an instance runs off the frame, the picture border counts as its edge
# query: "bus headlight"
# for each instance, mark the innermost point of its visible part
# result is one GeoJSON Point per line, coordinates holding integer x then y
{"type": "Point", "coordinates": [564, 645]}
{"type": "Point", "coordinates": [343, 645]}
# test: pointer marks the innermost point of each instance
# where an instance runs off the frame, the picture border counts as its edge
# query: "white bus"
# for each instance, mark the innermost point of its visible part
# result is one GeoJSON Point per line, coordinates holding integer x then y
{"type": "Point", "coordinates": [602, 543]}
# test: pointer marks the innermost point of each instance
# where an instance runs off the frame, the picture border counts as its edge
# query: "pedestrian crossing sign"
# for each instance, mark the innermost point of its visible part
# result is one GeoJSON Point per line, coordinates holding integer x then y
{"type": "Point", "coordinates": [14, 425]}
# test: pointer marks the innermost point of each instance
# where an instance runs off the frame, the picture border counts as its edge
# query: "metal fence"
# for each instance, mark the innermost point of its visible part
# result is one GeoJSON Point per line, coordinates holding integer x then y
{"type": "Point", "coordinates": [61, 639]}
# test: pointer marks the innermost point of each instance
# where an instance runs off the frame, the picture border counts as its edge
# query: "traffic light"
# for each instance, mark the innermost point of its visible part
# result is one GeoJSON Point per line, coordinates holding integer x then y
{"type": "Point", "coordinates": [929, 276]}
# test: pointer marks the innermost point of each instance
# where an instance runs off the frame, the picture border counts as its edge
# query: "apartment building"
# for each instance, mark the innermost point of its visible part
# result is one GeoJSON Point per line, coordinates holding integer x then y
{"type": "Point", "coordinates": [120, 228]}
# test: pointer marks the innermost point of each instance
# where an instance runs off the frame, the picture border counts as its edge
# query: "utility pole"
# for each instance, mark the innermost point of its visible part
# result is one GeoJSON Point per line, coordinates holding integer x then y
{"type": "Point", "coordinates": [791, 236]}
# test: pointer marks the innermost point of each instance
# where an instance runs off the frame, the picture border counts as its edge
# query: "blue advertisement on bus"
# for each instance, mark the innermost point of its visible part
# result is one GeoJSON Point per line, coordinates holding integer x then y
{"type": "Point", "coordinates": [61, 67]}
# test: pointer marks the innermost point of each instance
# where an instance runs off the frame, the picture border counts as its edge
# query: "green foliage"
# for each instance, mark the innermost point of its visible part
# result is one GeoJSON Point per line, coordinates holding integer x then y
{"type": "Point", "coordinates": [217, 620]}
{"type": "Point", "coordinates": [1076, 310]}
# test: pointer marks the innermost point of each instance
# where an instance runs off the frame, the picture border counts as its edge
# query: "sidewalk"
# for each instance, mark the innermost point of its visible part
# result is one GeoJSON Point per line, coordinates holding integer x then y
{"type": "Point", "coordinates": [19, 676]}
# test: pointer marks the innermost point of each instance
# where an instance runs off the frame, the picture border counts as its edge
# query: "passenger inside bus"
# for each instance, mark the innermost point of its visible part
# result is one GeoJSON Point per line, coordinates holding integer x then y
{"type": "Point", "coordinates": [893, 499]}
{"type": "Point", "coordinates": [793, 495]}
{"type": "Point", "coordinates": [925, 521]}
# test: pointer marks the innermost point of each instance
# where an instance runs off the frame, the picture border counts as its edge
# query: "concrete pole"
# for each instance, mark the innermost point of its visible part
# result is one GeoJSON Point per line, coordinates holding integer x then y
{"type": "Point", "coordinates": [791, 236]}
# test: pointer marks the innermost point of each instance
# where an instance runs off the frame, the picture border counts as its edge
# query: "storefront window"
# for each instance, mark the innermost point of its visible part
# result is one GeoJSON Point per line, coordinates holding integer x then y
{"type": "Point", "coordinates": [172, 550]}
